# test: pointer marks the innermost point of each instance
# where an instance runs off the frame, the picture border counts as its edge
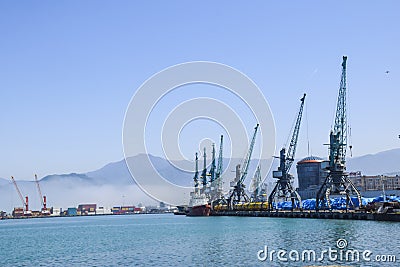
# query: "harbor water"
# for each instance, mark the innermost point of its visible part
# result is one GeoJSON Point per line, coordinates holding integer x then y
{"type": "Point", "coordinates": [165, 240]}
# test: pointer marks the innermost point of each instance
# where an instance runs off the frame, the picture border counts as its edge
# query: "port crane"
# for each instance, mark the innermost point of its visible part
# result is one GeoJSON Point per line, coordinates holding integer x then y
{"type": "Point", "coordinates": [284, 188]}
{"type": "Point", "coordinates": [212, 168]}
{"type": "Point", "coordinates": [238, 194]}
{"type": "Point", "coordinates": [196, 174]}
{"type": "Point", "coordinates": [256, 185]}
{"type": "Point", "coordinates": [217, 196]}
{"type": "Point", "coordinates": [220, 158]}
{"type": "Point", "coordinates": [42, 198]}
{"type": "Point", "coordinates": [204, 172]}
{"type": "Point", "coordinates": [337, 181]}
{"type": "Point", "coordinates": [25, 203]}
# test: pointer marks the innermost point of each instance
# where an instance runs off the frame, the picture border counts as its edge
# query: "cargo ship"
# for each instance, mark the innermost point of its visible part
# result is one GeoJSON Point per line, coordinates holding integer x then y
{"type": "Point", "coordinates": [198, 205]}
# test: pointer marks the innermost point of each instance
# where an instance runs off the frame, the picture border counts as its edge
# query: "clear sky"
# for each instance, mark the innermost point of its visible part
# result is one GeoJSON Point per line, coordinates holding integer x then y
{"type": "Point", "coordinates": [68, 70]}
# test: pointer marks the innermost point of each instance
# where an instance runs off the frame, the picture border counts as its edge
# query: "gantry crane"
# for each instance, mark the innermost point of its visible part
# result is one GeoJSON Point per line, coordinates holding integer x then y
{"type": "Point", "coordinates": [238, 194]}
{"type": "Point", "coordinates": [25, 203]}
{"type": "Point", "coordinates": [42, 198]}
{"type": "Point", "coordinates": [284, 188]}
{"type": "Point", "coordinates": [337, 181]}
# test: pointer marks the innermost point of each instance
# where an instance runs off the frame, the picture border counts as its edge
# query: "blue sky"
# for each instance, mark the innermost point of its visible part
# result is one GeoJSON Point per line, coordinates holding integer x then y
{"type": "Point", "coordinates": [69, 69]}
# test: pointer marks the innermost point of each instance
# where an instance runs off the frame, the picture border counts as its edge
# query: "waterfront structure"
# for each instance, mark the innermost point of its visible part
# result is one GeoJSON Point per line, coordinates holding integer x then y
{"type": "Point", "coordinates": [311, 174]}
{"type": "Point", "coordinates": [375, 185]}
{"type": "Point", "coordinates": [72, 212]}
{"type": "Point", "coordinates": [87, 209]}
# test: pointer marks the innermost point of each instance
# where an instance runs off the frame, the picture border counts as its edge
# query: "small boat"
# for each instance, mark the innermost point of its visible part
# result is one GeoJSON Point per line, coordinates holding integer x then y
{"type": "Point", "coordinates": [181, 210]}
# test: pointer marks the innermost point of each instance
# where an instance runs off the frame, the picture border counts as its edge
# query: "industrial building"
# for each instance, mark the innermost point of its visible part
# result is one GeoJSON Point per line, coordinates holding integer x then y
{"type": "Point", "coordinates": [311, 174]}
{"type": "Point", "coordinates": [374, 185]}
{"type": "Point", "coordinates": [87, 209]}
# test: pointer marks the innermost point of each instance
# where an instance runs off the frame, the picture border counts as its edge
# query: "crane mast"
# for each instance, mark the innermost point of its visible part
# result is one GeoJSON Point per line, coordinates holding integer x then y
{"type": "Point", "coordinates": [220, 163]}
{"type": "Point", "coordinates": [212, 168]}
{"type": "Point", "coordinates": [238, 194]}
{"type": "Point", "coordinates": [337, 181]}
{"type": "Point", "coordinates": [196, 174]}
{"type": "Point", "coordinates": [42, 198]}
{"type": "Point", "coordinates": [284, 188]}
{"type": "Point", "coordinates": [204, 172]}
{"type": "Point", "coordinates": [217, 196]}
{"type": "Point", "coordinates": [25, 202]}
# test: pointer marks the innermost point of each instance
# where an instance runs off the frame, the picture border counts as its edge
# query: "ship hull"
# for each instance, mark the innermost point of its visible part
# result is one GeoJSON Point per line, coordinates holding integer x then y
{"type": "Point", "coordinates": [202, 210]}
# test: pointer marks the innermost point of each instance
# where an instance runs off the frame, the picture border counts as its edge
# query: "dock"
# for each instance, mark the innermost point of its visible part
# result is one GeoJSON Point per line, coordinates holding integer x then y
{"type": "Point", "coordinates": [340, 215]}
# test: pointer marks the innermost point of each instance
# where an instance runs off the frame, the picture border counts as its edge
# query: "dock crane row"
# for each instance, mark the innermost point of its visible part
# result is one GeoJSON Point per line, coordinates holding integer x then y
{"type": "Point", "coordinates": [216, 192]}
{"type": "Point", "coordinates": [337, 181]}
{"type": "Point", "coordinates": [24, 211]}
{"type": "Point", "coordinates": [284, 188]}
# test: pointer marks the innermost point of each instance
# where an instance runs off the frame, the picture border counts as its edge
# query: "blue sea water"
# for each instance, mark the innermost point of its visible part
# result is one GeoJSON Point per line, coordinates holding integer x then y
{"type": "Point", "coordinates": [168, 240]}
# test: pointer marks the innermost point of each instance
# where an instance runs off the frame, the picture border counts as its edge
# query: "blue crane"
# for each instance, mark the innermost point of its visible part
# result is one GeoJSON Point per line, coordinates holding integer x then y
{"type": "Point", "coordinates": [337, 181]}
{"type": "Point", "coordinates": [220, 162]}
{"type": "Point", "coordinates": [212, 168]}
{"type": "Point", "coordinates": [217, 195]}
{"type": "Point", "coordinates": [284, 188]}
{"type": "Point", "coordinates": [204, 173]}
{"type": "Point", "coordinates": [238, 194]}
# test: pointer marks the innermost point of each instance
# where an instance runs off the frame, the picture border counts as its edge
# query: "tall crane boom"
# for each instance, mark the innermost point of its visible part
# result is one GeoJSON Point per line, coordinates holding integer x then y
{"type": "Point", "coordinates": [247, 159]}
{"type": "Point", "coordinates": [220, 165]}
{"type": "Point", "coordinates": [216, 194]}
{"type": "Point", "coordinates": [204, 172]}
{"type": "Point", "coordinates": [24, 203]}
{"type": "Point", "coordinates": [238, 194]}
{"type": "Point", "coordinates": [337, 181]}
{"type": "Point", "coordinates": [196, 174]}
{"type": "Point", "coordinates": [284, 188]}
{"type": "Point", "coordinates": [293, 142]}
{"type": "Point", "coordinates": [38, 188]}
{"type": "Point", "coordinates": [212, 168]}
{"type": "Point", "coordinates": [42, 198]}
{"type": "Point", "coordinates": [339, 134]}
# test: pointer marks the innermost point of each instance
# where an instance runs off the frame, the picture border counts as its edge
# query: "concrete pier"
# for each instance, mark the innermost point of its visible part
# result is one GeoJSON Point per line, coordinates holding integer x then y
{"type": "Point", "coordinates": [340, 215]}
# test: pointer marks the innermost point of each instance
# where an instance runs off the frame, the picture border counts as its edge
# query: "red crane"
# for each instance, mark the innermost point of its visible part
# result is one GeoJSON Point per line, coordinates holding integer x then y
{"type": "Point", "coordinates": [42, 198]}
{"type": "Point", "coordinates": [24, 203]}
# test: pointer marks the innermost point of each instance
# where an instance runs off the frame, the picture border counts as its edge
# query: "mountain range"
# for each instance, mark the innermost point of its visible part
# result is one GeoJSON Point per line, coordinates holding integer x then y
{"type": "Point", "coordinates": [112, 185]}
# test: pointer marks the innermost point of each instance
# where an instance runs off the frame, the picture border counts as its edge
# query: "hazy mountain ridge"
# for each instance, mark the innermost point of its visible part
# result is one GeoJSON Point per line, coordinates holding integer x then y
{"type": "Point", "coordinates": [3, 181]}
{"type": "Point", "coordinates": [385, 162]}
